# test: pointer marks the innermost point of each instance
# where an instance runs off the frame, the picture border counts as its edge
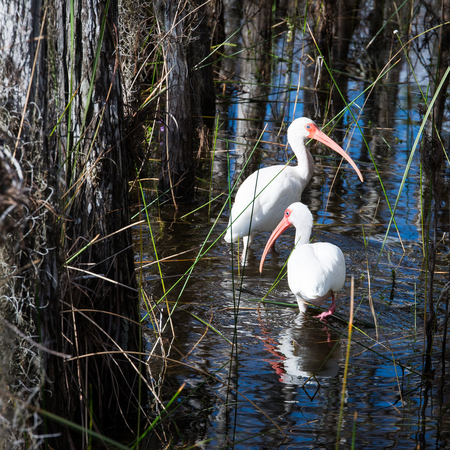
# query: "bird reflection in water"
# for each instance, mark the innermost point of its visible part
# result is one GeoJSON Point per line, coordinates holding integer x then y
{"type": "Point", "coordinates": [304, 352]}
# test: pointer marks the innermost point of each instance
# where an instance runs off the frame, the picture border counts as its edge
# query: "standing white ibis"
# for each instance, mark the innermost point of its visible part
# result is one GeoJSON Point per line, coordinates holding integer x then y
{"type": "Point", "coordinates": [266, 193]}
{"type": "Point", "coordinates": [315, 271]}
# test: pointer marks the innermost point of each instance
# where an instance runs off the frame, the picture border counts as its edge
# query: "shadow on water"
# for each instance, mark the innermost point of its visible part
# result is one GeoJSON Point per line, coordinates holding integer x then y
{"type": "Point", "coordinates": [258, 374]}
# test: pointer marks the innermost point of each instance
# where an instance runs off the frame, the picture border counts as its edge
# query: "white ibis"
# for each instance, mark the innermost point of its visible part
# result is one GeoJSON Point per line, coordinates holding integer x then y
{"type": "Point", "coordinates": [315, 271]}
{"type": "Point", "coordinates": [266, 193]}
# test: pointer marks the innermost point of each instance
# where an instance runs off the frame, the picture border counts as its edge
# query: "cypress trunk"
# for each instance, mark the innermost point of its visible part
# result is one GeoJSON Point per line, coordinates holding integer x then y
{"type": "Point", "coordinates": [185, 41]}
{"type": "Point", "coordinates": [76, 266]}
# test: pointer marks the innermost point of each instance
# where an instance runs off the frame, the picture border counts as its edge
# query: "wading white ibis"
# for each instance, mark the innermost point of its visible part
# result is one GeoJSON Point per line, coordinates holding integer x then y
{"type": "Point", "coordinates": [285, 185]}
{"type": "Point", "coordinates": [315, 271]}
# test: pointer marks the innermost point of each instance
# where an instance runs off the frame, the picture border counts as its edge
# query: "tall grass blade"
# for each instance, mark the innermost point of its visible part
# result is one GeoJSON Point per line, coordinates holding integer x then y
{"type": "Point", "coordinates": [347, 362]}
{"type": "Point", "coordinates": [82, 430]}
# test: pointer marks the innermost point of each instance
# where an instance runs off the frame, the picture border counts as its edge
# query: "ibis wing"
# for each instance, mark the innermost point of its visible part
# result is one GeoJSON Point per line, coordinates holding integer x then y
{"type": "Point", "coordinates": [261, 200]}
{"type": "Point", "coordinates": [315, 270]}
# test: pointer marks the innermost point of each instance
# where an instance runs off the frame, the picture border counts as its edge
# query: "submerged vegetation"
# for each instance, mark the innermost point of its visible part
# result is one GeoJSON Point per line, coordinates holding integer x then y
{"type": "Point", "coordinates": [199, 350]}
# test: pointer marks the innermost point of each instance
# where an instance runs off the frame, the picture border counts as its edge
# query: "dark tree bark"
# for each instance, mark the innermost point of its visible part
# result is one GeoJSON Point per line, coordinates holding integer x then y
{"type": "Point", "coordinates": [443, 57]}
{"type": "Point", "coordinates": [177, 155]}
{"type": "Point", "coordinates": [326, 12]}
{"type": "Point", "coordinates": [97, 205]}
{"type": "Point", "coordinates": [346, 23]}
{"type": "Point", "coordinates": [189, 92]}
{"type": "Point", "coordinates": [77, 194]}
{"type": "Point", "coordinates": [254, 74]}
{"type": "Point", "coordinates": [432, 153]}
{"type": "Point", "coordinates": [28, 255]}
{"type": "Point", "coordinates": [325, 16]}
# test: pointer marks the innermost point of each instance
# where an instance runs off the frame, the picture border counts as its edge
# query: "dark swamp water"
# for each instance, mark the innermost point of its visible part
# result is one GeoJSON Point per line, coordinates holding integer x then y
{"type": "Point", "coordinates": [254, 373]}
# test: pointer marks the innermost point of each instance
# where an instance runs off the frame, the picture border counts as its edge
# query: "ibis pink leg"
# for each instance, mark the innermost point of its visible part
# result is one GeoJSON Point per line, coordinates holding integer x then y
{"type": "Point", "coordinates": [329, 312]}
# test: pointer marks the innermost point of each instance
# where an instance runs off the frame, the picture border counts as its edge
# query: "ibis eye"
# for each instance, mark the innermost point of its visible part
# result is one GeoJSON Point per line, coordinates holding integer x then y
{"type": "Point", "coordinates": [308, 127]}
{"type": "Point", "coordinates": [287, 213]}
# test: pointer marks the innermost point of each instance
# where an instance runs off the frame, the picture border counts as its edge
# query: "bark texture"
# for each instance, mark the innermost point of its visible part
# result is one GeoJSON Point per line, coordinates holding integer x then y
{"type": "Point", "coordinates": [61, 132]}
{"type": "Point", "coordinates": [443, 57]}
{"type": "Point", "coordinates": [28, 255]}
{"type": "Point", "coordinates": [100, 311]}
{"type": "Point", "coordinates": [346, 23]}
{"type": "Point", "coordinates": [185, 42]}
{"type": "Point", "coordinates": [177, 156]}
{"type": "Point", "coordinates": [326, 11]}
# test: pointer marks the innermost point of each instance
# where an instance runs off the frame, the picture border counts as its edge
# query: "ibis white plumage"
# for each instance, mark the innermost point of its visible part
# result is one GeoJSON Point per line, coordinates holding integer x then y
{"type": "Point", "coordinates": [266, 193]}
{"type": "Point", "coordinates": [315, 271]}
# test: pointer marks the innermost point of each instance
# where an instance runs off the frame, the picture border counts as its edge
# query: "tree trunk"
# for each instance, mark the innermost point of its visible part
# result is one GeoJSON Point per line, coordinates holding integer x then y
{"type": "Point", "coordinates": [189, 92]}
{"type": "Point", "coordinates": [443, 59]}
{"type": "Point", "coordinates": [88, 307]}
{"type": "Point", "coordinates": [97, 206]}
{"type": "Point", "coordinates": [326, 13]}
{"type": "Point", "coordinates": [346, 24]}
{"type": "Point", "coordinates": [177, 156]}
{"type": "Point", "coordinates": [28, 255]}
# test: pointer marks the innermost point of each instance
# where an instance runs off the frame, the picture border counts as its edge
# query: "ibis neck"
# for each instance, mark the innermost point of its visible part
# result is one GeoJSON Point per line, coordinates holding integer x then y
{"type": "Point", "coordinates": [305, 162]}
{"type": "Point", "coordinates": [302, 234]}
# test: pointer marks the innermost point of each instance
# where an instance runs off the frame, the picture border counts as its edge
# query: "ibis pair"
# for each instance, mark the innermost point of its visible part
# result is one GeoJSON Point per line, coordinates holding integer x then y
{"type": "Point", "coordinates": [315, 271]}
